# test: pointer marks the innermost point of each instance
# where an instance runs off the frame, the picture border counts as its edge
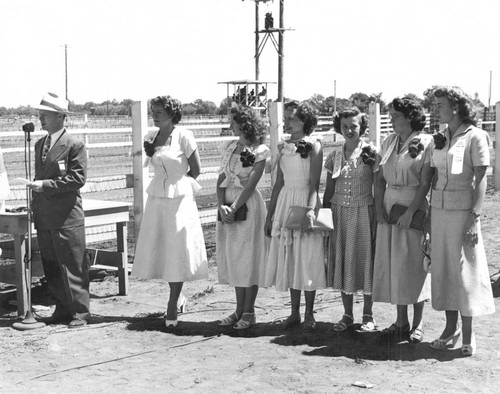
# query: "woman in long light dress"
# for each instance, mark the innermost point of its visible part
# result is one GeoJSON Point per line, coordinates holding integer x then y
{"type": "Point", "coordinates": [404, 178]}
{"type": "Point", "coordinates": [351, 169]}
{"type": "Point", "coordinates": [460, 275]}
{"type": "Point", "coordinates": [296, 257]}
{"type": "Point", "coordinates": [171, 244]}
{"type": "Point", "coordinates": [241, 244]}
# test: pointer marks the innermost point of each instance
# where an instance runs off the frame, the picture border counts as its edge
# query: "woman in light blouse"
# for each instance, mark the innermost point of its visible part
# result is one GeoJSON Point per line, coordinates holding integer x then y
{"type": "Point", "coordinates": [170, 244]}
{"type": "Point", "coordinates": [460, 276]}
{"type": "Point", "coordinates": [404, 178]}
{"type": "Point", "coordinates": [241, 244]}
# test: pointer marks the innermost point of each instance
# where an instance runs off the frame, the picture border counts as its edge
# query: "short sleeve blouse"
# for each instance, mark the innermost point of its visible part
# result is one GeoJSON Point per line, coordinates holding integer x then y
{"type": "Point", "coordinates": [400, 169]}
{"type": "Point", "coordinates": [232, 166]}
{"type": "Point", "coordinates": [476, 154]}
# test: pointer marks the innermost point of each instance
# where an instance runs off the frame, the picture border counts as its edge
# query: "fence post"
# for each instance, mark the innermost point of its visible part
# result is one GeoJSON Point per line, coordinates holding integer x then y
{"type": "Point", "coordinates": [496, 170]}
{"type": "Point", "coordinates": [275, 132]}
{"type": "Point", "coordinates": [141, 174]}
{"type": "Point", "coordinates": [374, 124]}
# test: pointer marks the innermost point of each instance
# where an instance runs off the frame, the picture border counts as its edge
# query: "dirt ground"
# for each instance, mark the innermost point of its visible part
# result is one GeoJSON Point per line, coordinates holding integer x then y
{"type": "Point", "coordinates": [126, 347]}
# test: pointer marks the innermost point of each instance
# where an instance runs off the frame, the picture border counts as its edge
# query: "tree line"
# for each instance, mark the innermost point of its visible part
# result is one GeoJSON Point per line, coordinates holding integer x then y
{"type": "Point", "coordinates": [324, 105]}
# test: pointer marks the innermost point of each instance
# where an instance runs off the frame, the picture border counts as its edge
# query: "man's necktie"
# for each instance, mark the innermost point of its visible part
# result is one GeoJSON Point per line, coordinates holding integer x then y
{"type": "Point", "coordinates": [46, 148]}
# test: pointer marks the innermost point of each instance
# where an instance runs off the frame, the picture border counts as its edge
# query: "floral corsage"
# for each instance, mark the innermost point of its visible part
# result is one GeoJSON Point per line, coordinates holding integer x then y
{"type": "Point", "coordinates": [247, 158]}
{"type": "Point", "coordinates": [303, 148]}
{"type": "Point", "coordinates": [368, 155]}
{"type": "Point", "coordinates": [415, 147]}
{"type": "Point", "coordinates": [149, 148]}
{"type": "Point", "coordinates": [439, 140]}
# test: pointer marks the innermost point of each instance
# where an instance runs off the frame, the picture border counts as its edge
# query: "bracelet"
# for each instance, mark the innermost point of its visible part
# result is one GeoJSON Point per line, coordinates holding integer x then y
{"type": "Point", "coordinates": [309, 208]}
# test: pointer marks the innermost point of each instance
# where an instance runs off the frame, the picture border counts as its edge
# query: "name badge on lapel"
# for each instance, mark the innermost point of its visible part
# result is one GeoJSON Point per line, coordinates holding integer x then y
{"type": "Point", "coordinates": [457, 165]}
{"type": "Point", "coordinates": [62, 167]}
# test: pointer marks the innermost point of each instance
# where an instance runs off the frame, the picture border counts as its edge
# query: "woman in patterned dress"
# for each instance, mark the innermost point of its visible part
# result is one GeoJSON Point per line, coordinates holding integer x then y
{"type": "Point", "coordinates": [296, 257]}
{"type": "Point", "coordinates": [349, 184]}
{"type": "Point", "coordinates": [460, 276]}
{"type": "Point", "coordinates": [171, 244]}
{"type": "Point", "coordinates": [404, 178]}
{"type": "Point", "coordinates": [241, 245]}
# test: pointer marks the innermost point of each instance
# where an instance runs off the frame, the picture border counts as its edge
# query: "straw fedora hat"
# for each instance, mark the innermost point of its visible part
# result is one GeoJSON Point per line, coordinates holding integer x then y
{"type": "Point", "coordinates": [52, 102]}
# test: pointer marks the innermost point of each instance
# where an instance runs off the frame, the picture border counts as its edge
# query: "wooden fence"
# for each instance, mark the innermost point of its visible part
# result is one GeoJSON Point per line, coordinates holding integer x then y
{"type": "Point", "coordinates": [115, 159]}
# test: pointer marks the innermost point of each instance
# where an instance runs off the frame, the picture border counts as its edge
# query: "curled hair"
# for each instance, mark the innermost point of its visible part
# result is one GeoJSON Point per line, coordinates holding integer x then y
{"type": "Point", "coordinates": [411, 110]}
{"type": "Point", "coordinates": [306, 113]}
{"type": "Point", "coordinates": [251, 124]}
{"type": "Point", "coordinates": [351, 113]}
{"type": "Point", "coordinates": [456, 96]}
{"type": "Point", "coordinates": [171, 105]}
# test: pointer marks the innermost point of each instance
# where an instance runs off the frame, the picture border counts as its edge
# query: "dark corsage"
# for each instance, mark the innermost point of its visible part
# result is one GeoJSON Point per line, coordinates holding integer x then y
{"type": "Point", "coordinates": [368, 155]}
{"type": "Point", "coordinates": [415, 147]}
{"type": "Point", "coordinates": [247, 158]}
{"type": "Point", "coordinates": [303, 148]}
{"type": "Point", "coordinates": [149, 148]}
{"type": "Point", "coordinates": [439, 140]}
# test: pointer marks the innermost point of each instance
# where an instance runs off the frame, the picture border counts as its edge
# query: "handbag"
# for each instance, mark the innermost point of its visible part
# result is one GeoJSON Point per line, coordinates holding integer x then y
{"type": "Point", "coordinates": [417, 222]}
{"type": "Point", "coordinates": [323, 220]}
{"type": "Point", "coordinates": [239, 215]}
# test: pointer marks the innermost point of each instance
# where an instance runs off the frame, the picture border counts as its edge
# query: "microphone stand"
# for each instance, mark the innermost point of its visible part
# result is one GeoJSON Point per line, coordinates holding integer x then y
{"type": "Point", "coordinates": [29, 322]}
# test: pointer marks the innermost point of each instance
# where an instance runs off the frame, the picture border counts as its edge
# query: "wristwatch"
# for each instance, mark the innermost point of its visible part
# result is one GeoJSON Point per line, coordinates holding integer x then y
{"type": "Point", "coordinates": [475, 214]}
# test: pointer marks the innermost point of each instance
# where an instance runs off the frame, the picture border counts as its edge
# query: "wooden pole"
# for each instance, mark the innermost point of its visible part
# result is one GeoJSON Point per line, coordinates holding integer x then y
{"type": "Point", "coordinates": [281, 53]}
{"type": "Point", "coordinates": [496, 170]}
{"type": "Point", "coordinates": [374, 124]}
{"type": "Point", "coordinates": [141, 173]}
{"type": "Point", "coordinates": [257, 70]}
{"type": "Point", "coordinates": [275, 132]}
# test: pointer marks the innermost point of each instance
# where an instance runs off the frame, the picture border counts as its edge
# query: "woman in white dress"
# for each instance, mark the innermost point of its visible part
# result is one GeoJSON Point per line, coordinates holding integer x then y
{"type": "Point", "coordinates": [171, 244]}
{"type": "Point", "coordinates": [460, 275]}
{"type": "Point", "coordinates": [241, 245]}
{"type": "Point", "coordinates": [296, 257]}
{"type": "Point", "coordinates": [404, 178]}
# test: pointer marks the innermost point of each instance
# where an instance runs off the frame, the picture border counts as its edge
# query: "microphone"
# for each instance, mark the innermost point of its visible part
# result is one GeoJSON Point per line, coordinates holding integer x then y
{"type": "Point", "coordinates": [29, 127]}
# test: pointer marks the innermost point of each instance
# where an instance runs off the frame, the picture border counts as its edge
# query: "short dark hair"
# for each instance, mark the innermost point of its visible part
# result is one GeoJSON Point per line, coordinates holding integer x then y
{"type": "Point", "coordinates": [456, 96]}
{"type": "Point", "coordinates": [251, 124]}
{"type": "Point", "coordinates": [306, 113]}
{"type": "Point", "coordinates": [411, 110]}
{"type": "Point", "coordinates": [171, 105]}
{"type": "Point", "coordinates": [351, 113]}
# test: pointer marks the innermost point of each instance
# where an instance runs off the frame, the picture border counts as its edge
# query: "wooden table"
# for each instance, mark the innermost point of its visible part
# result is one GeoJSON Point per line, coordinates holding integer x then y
{"type": "Point", "coordinates": [97, 212]}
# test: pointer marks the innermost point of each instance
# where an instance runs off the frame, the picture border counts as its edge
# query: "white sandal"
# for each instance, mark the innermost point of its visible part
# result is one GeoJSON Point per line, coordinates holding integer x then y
{"type": "Point", "coordinates": [243, 324]}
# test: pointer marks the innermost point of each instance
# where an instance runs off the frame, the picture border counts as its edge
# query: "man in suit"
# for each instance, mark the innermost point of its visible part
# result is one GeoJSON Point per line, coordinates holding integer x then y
{"type": "Point", "coordinates": [60, 172]}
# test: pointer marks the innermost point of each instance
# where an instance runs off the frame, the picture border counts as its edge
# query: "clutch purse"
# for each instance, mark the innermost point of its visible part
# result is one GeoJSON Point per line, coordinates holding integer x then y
{"type": "Point", "coordinates": [239, 215]}
{"type": "Point", "coordinates": [323, 220]}
{"type": "Point", "coordinates": [417, 222]}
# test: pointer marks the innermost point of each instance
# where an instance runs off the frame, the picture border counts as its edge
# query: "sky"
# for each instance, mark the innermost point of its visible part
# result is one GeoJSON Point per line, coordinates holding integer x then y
{"type": "Point", "coordinates": [139, 49]}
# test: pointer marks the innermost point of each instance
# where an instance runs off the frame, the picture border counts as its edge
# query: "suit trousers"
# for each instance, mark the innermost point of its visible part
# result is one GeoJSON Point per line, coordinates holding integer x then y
{"type": "Point", "coordinates": [66, 265]}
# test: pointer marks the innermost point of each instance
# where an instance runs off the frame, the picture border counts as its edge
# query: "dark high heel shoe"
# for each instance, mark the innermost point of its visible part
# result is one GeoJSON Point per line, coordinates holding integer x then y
{"type": "Point", "coordinates": [442, 343]}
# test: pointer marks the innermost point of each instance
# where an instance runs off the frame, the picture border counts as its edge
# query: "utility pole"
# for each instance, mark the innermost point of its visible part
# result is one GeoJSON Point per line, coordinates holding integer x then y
{"type": "Point", "coordinates": [334, 97]}
{"type": "Point", "coordinates": [489, 94]}
{"type": "Point", "coordinates": [66, 67]}
{"type": "Point", "coordinates": [269, 35]}
{"type": "Point", "coordinates": [257, 70]}
{"type": "Point", "coordinates": [281, 54]}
